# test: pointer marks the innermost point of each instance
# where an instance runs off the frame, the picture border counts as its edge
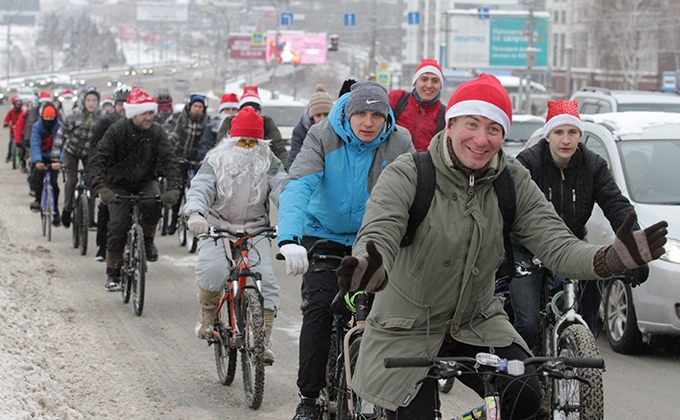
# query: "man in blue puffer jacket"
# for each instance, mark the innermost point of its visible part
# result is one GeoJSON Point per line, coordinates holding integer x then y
{"type": "Point", "coordinates": [42, 138]}
{"type": "Point", "coordinates": [325, 198]}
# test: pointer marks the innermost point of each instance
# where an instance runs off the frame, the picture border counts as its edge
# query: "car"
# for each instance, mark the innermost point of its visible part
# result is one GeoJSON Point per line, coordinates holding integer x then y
{"type": "Point", "coordinates": [114, 81]}
{"type": "Point", "coordinates": [523, 126]}
{"type": "Point", "coordinates": [78, 81]}
{"type": "Point", "coordinates": [642, 150]}
{"type": "Point", "coordinates": [286, 115]}
{"type": "Point", "coordinates": [182, 85]}
{"type": "Point", "coordinates": [28, 83]}
{"type": "Point", "coordinates": [13, 87]}
{"type": "Point", "coordinates": [2, 98]}
{"type": "Point", "coordinates": [147, 71]}
{"type": "Point", "coordinates": [131, 71]}
{"type": "Point", "coordinates": [595, 100]}
{"type": "Point", "coordinates": [29, 94]}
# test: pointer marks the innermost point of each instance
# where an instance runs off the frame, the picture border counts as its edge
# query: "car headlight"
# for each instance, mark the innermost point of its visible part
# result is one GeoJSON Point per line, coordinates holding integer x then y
{"type": "Point", "coordinates": [672, 251]}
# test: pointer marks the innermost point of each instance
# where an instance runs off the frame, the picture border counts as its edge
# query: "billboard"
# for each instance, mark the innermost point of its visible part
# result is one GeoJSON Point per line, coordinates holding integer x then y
{"type": "Point", "coordinates": [496, 39]}
{"type": "Point", "coordinates": [296, 48]}
{"type": "Point", "coordinates": [157, 12]}
{"type": "Point", "coordinates": [242, 48]}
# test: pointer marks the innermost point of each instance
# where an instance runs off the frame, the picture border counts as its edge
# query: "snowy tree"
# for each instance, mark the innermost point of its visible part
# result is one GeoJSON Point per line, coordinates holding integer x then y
{"type": "Point", "coordinates": [88, 47]}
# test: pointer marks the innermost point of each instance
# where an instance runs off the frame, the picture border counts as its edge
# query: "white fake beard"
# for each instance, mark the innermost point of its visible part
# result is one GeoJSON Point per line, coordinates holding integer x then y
{"type": "Point", "coordinates": [234, 165]}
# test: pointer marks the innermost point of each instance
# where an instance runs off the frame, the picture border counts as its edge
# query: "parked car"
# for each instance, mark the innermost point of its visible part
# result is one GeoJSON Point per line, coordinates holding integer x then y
{"type": "Point", "coordinates": [642, 150]}
{"type": "Point", "coordinates": [114, 81]}
{"type": "Point", "coordinates": [523, 126]}
{"type": "Point", "coordinates": [595, 100]}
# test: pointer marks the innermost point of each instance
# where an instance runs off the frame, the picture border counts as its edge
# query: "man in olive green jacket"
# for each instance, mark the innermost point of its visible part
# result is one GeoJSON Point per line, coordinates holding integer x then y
{"type": "Point", "coordinates": [438, 296]}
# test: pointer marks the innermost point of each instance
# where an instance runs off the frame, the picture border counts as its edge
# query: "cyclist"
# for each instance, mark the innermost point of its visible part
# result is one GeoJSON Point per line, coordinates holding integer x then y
{"type": "Point", "coordinates": [320, 105]}
{"type": "Point", "coordinates": [419, 110]}
{"type": "Point", "coordinates": [186, 129]}
{"type": "Point", "coordinates": [73, 143]}
{"type": "Point", "coordinates": [42, 140]}
{"type": "Point", "coordinates": [107, 104]}
{"type": "Point", "coordinates": [164, 101]}
{"type": "Point", "coordinates": [440, 296]}
{"type": "Point", "coordinates": [325, 197]}
{"type": "Point", "coordinates": [573, 179]}
{"type": "Point", "coordinates": [124, 162]}
{"type": "Point", "coordinates": [232, 190]}
{"type": "Point", "coordinates": [228, 106]}
{"type": "Point", "coordinates": [11, 121]}
{"type": "Point", "coordinates": [120, 95]}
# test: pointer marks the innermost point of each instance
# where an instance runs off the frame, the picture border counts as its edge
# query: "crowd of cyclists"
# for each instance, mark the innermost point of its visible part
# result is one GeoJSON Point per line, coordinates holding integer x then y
{"type": "Point", "coordinates": [350, 177]}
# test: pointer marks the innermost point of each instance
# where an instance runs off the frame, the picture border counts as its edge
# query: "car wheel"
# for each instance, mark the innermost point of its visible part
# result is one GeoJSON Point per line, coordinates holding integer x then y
{"type": "Point", "coordinates": [620, 320]}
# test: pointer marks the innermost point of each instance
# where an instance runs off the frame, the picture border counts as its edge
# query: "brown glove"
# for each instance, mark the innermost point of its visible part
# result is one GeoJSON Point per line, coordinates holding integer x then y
{"type": "Point", "coordinates": [633, 249]}
{"type": "Point", "coordinates": [363, 273]}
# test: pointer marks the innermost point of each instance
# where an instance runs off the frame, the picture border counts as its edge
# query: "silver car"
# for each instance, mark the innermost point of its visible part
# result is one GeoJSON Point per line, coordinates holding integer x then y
{"type": "Point", "coordinates": [643, 153]}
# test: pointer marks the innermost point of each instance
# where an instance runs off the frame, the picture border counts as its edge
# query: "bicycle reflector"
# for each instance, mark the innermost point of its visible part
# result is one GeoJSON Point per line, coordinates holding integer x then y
{"type": "Point", "coordinates": [349, 300]}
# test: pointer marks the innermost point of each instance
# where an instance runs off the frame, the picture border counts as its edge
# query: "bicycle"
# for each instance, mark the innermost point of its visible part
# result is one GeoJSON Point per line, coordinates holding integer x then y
{"type": "Point", "coordinates": [490, 367]}
{"type": "Point", "coordinates": [562, 332]}
{"type": "Point", "coordinates": [133, 270]}
{"type": "Point", "coordinates": [47, 204]}
{"type": "Point", "coordinates": [183, 235]}
{"type": "Point", "coordinates": [81, 211]}
{"type": "Point", "coordinates": [239, 324]}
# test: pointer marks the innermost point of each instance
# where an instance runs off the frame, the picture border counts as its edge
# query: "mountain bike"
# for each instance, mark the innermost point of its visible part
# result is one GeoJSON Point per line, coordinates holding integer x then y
{"type": "Point", "coordinates": [81, 211]}
{"type": "Point", "coordinates": [47, 204]}
{"type": "Point", "coordinates": [490, 367]}
{"type": "Point", "coordinates": [133, 270]}
{"type": "Point", "coordinates": [183, 235]}
{"type": "Point", "coordinates": [239, 325]}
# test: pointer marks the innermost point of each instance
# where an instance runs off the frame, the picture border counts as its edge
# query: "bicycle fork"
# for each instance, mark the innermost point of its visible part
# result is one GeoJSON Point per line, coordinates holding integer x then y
{"type": "Point", "coordinates": [239, 327]}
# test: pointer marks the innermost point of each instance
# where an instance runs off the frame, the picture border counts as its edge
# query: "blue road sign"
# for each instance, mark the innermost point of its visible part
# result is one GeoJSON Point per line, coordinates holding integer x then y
{"type": "Point", "coordinates": [350, 19]}
{"type": "Point", "coordinates": [286, 19]}
{"type": "Point", "coordinates": [414, 18]}
{"type": "Point", "coordinates": [483, 12]}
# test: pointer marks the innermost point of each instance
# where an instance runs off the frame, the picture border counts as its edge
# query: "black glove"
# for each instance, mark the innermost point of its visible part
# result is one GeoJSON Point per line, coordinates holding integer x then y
{"type": "Point", "coordinates": [106, 196]}
{"type": "Point", "coordinates": [634, 249]}
{"type": "Point", "coordinates": [346, 86]}
{"type": "Point", "coordinates": [363, 273]}
{"type": "Point", "coordinates": [637, 276]}
{"type": "Point", "coordinates": [170, 197]}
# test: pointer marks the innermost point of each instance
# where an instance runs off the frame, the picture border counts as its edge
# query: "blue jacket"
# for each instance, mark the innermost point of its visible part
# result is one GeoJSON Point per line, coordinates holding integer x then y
{"type": "Point", "coordinates": [38, 135]}
{"type": "Point", "coordinates": [332, 177]}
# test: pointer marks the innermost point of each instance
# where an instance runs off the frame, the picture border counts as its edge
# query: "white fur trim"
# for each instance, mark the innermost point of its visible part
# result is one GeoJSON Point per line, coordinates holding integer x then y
{"type": "Point", "coordinates": [562, 119]}
{"type": "Point", "coordinates": [483, 108]}
{"type": "Point", "coordinates": [427, 69]}
{"type": "Point", "coordinates": [132, 110]}
{"type": "Point", "coordinates": [247, 99]}
{"type": "Point", "coordinates": [227, 105]}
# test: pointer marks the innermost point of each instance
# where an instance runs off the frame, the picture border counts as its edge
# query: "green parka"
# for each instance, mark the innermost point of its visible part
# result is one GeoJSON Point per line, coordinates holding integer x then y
{"type": "Point", "coordinates": [444, 282]}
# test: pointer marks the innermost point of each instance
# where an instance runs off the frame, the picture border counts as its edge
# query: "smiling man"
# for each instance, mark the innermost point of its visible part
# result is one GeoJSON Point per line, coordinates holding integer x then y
{"type": "Point", "coordinates": [325, 198]}
{"type": "Point", "coordinates": [420, 111]}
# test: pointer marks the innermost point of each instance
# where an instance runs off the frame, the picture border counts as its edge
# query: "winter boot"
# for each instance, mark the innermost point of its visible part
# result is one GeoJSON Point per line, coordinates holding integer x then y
{"type": "Point", "coordinates": [269, 316]}
{"type": "Point", "coordinates": [66, 219]}
{"type": "Point", "coordinates": [209, 302]}
{"type": "Point", "coordinates": [113, 280]}
{"type": "Point", "coordinates": [149, 247]}
{"type": "Point", "coordinates": [308, 409]}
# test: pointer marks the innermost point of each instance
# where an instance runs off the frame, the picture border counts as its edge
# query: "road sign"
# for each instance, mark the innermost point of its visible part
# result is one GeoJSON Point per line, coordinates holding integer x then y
{"type": "Point", "coordinates": [350, 19]}
{"type": "Point", "coordinates": [383, 77]}
{"type": "Point", "coordinates": [483, 13]}
{"type": "Point", "coordinates": [414, 18]}
{"type": "Point", "coordinates": [257, 38]}
{"type": "Point", "coordinates": [286, 19]}
{"type": "Point", "coordinates": [670, 80]}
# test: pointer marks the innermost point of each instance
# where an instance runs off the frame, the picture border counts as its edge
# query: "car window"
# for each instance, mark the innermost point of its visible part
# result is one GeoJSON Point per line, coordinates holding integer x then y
{"type": "Point", "coordinates": [589, 108]}
{"type": "Point", "coordinates": [596, 145]}
{"type": "Point", "coordinates": [651, 170]}
{"type": "Point", "coordinates": [604, 107]}
{"type": "Point", "coordinates": [650, 107]}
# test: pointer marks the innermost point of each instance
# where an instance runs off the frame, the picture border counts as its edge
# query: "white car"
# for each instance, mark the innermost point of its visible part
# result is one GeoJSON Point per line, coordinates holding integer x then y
{"type": "Point", "coordinates": [643, 151]}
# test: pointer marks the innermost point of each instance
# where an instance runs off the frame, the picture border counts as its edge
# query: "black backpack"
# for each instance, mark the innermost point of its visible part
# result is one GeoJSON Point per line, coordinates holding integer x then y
{"type": "Point", "coordinates": [425, 186]}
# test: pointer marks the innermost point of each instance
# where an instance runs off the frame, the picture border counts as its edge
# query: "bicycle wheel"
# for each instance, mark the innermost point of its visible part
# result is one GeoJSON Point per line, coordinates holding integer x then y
{"type": "Point", "coordinates": [165, 219]}
{"type": "Point", "coordinates": [83, 222]}
{"type": "Point", "coordinates": [572, 399]}
{"type": "Point", "coordinates": [329, 394]}
{"type": "Point", "coordinates": [48, 212]}
{"type": "Point", "coordinates": [138, 270]}
{"type": "Point", "coordinates": [181, 223]}
{"type": "Point", "coordinates": [446, 385]}
{"type": "Point", "coordinates": [225, 350]}
{"type": "Point", "coordinates": [14, 153]}
{"type": "Point", "coordinates": [125, 283]}
{"type": "Point", "coordinates": [75, 226]}
{"type": "Point", "coordinates": [363, 410]}
{"type": "Point", "coordinates": [252, 357]}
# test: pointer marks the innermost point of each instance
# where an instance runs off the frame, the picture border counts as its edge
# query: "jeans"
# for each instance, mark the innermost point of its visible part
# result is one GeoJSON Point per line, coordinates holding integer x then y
{"type": "Point", "coordinates": [37, 181]}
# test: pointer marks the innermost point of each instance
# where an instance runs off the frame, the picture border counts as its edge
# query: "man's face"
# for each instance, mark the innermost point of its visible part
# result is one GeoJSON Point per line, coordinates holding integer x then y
{"type": "Point", "coordinates": [143, 121]}
{"type": "Point", "coordinates": [563, 142]}
{"type": "Point", "coordinates": [48, 118]}
{"type": "Point", "coordinates": [428, 86]}
{"type": "Point", "coordinates": [366, 125]}
{"type": "Point", "coordinates": [319, 117]}
{"type": "Point", "coordinates": [91, 102]}
{"type": "Point", "coordinates": [230, 111]}
{"type": "Point", "coordinates": [196, 108]}
{"type": "Point", "coordinates": [119, 108]}
{"type": "Point", "coordinates": [107, 107]}
{"type": "Point", "coordinates": [17, 104]}
{"type": "Point", "coordinates": [475, 139]}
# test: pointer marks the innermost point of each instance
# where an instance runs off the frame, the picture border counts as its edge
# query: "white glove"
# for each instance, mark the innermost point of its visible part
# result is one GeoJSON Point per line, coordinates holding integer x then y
{"type": "Point", "coordinates": [296, 259]}
{"type": "Point", "coordinates": [197, 225]}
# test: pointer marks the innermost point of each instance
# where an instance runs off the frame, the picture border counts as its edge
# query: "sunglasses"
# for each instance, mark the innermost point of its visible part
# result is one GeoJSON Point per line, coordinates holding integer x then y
{"type": "Point", "coordinates": [249, 143]}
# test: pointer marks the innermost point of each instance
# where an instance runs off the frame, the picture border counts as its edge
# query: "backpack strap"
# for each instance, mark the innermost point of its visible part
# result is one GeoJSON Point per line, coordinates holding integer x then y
{"type": "Point", "coordinates": [401, 106]}
{"type": "Point", "coordinates": [505, 191]}
{"type": "Point", "coordinates": [425, 186]}
{"type": "Point", "coordinates": [441, 117]}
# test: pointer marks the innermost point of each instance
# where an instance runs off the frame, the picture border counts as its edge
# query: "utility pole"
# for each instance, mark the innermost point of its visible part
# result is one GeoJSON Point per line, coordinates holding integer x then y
{"type": "Point", "coordinates": [9, 41]}
{"type": "Point", "coordinates": [531, 57]}
{"type": "Point", "coordinates": [374, 41]}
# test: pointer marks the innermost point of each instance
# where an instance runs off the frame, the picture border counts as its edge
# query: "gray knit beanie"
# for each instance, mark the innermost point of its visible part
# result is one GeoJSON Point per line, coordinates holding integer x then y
{"type": "Point", "coordinates": [367, 96]}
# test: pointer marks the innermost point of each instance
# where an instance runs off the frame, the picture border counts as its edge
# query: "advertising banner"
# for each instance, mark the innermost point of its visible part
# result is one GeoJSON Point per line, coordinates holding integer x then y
{"type": "Point", "coordinates": [296, 48]}
{"type": "Point", "coordinates": [242, 48]}
{"type": "Point", "coordinates": [157, 12]}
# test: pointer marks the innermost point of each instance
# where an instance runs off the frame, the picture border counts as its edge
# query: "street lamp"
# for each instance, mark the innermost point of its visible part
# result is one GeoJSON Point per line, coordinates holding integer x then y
{"type": "Point", "coordinates": [225, 16]}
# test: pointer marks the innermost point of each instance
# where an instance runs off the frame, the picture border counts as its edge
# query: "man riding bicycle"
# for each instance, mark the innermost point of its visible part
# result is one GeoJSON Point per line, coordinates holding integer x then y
{"type": "Point", "coordinates": [43, 133]}
{"type": "Point", "coordinates": [438, 297]}
{"type": "Point", "coordinates": [232, 190]}
{"type": "Point", "coordinates": [325, 197]}
{"type": "Point", "coordinates": [124, 163]}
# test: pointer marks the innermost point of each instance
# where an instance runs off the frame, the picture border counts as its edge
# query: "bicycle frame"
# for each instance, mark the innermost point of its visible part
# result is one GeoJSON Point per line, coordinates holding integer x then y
{"type": "Point", "coordinates": [568, 318]}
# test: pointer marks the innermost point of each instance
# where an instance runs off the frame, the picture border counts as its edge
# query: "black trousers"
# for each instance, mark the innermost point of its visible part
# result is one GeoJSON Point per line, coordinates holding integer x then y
{"type": "Point", "coordinates": [119, 214]}
{"type": "Point", "coordinates": [37, 184]}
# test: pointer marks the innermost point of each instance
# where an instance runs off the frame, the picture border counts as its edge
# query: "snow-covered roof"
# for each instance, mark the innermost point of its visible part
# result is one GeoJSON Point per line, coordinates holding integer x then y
{"type": "Point", "coordinates": [634, 124]}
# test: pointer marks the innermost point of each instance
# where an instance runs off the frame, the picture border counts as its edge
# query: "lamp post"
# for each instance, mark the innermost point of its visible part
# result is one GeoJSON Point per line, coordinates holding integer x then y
{"type": "Point", "coordinates": [9, 41]}
{"type": "Point", "coordinates": [225, 16]}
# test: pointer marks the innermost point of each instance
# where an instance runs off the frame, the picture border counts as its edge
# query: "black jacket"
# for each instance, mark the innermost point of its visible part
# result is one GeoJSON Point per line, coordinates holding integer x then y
{"type": "Point", "coordinates": [574, 190]}
{"type": "Point", "coordinates": [127, 156]}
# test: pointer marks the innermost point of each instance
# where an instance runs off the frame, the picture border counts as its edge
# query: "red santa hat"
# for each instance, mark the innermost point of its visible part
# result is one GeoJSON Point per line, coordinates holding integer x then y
{"type": "Point", "coordinates": [107, 101]}
{"type": "Point", "coordinates": [67, 95]}
{"type": "Point", "coordinates": [428, 65]}
{"type": "Point", "coordinates": [247, 123]}
{"type": "Point", "coordinates": [484, 96]}
{"type": "Point", "coordinates": [562, 113]}
{"type": "Point", "coordinates": [229, 100]}
{"type": "Point", "coordinates": [250, 95]}
{"type": "Point", "coordinates": [44, 97]}
{"type": "Point", "coordinates": [139, 102]}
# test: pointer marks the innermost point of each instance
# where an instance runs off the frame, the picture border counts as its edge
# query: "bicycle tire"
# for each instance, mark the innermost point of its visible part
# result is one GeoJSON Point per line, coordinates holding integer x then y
{"type": "Point", "coordinates": [621, 328]}
{"type": "Point", "coordinates": [14, 153]}
{"type": "Point", "coordinates": [572, 399]}
{"type": "Point", "coordinates": [225, 350]}
{"type": "Point", "coordinates": [329, 394]}
{"type": "Point", "coordinates": [83, 222]}
{"type": "Point", "coordinates": [252, 355]}
{"type": "Point", "coordinates": [445, 386]}
{"type": "Point", "coordinates": [75, 226]}
{"type": "Point", "coordinates": [181, 223]}
{"type": "Point", "coordinates": [126, 286]}
{"type": "Point", "coordinates": [48, 211]}
{"type": "Point", "coordinates": [138, 272]}
{"type": "Point", "coordinates": [165, 218]}
{"type": "Point", "coordinates": [363, 410]}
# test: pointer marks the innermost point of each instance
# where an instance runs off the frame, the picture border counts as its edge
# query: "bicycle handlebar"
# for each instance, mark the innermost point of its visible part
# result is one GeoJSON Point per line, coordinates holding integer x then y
{"type": "Point", "coordinates": [215, 232]}
{"type": "Point", "coordinates": [138, 197]}
{"type": "Point", "coordinates": [549, 362]}
{"type": "Point", "coordinates": [312, 255]}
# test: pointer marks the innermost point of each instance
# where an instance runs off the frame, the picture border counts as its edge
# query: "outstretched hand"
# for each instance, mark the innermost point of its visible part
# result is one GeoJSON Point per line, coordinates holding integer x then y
{"type": "Point", "coordinates": [362, 273]}
{"type": "Point", "coordinates": [633, 249]}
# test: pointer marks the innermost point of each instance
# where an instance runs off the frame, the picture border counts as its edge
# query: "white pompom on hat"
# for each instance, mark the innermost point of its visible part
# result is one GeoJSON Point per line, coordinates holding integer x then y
{"type": "Point", "coordinates": [138, 102]}
{"type": "Point", "coordinates": [562, 113]}
{"type": "Point", "coordinates": [229, 100]}
{"type": "Point", "coordinates": [250, 95]}
{"type": "Point", "coordinates": [428, 65]}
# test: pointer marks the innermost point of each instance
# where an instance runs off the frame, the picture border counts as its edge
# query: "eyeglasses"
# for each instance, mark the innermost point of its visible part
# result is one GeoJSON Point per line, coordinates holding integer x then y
{"type": "Point", "coordinates": [249, 143]}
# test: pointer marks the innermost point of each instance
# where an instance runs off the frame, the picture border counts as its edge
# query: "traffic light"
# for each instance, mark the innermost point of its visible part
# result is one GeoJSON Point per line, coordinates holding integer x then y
{"type": "Point", "coordinates": [333, 43]}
